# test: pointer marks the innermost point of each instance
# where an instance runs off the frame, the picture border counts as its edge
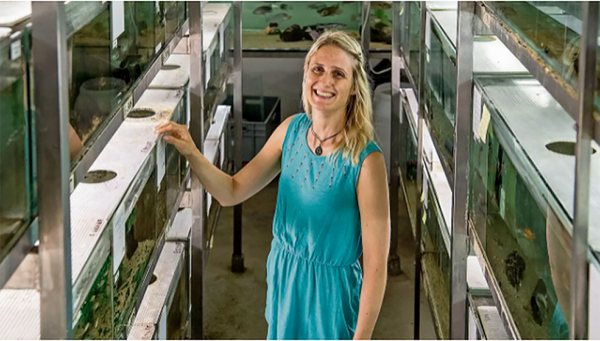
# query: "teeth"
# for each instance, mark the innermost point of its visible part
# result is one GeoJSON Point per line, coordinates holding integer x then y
{"type": "Point", "coordinates": [324, 94]}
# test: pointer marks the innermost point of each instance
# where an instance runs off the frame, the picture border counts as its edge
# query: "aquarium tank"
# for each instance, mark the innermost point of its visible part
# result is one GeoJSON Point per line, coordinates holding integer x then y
{"type": "Point", "coordinates": [513, 222]}
{"type": "Point", "coordinates": [179, 308]}
{"type": "Point", "coordinates": [552, 30]}
{"type": "Point", "coordinates": [141, 235]}
{"type": "Point", "coordinates": [108, 55]}
{"type": "Point", "coordinates": [410, 35]}
{"type": "Point", "coordinates": [15, 153]}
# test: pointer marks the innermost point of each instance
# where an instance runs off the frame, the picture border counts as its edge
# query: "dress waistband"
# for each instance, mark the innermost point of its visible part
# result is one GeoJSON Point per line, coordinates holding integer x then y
{"type": "Point", "coordinates": [276, 244]}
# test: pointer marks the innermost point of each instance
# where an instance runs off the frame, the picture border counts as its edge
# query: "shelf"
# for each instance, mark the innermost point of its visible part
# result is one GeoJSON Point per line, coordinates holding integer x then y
{"type": "Point", "coordinates": [20, 309]}
{"type": "Point", "coordinates": [152, 311]}
{"type": "Point", "coordinates": [563, 93]}
{"type": "Point", "coordinates": [101, 138]}
{"type": "Point", "coordinates": [181, 227]}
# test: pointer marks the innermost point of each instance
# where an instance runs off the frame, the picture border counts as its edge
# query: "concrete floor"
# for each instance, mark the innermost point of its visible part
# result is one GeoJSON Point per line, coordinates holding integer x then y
{"type": "Point", "coordinates": [235, 303]}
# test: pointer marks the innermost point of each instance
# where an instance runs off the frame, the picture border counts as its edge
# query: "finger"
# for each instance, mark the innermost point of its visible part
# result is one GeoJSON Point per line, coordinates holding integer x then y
{"type": "Point", "coordinates": [163, 125]}
{"type": "Point", "coordinates": [166, 128]}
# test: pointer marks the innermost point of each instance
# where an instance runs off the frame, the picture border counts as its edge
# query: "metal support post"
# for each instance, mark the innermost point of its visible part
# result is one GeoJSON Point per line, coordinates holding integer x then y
{"type": "Point", "coordinates": [585, 133]}
{"type": "Point", "coordinates": [394, 268]}
{"type": "Point", "coordinates": [419, 220]}
{"type": "Point", "coordinates": [365, 37]}
{"type": "Point", "coordinates": [53, 165]}
{"type": "Point", "coordinates": [462, 130]}
{"type": "Point", "coordinates": [198, 194]}
{"type": "Point", "coordinates": [237, 258]}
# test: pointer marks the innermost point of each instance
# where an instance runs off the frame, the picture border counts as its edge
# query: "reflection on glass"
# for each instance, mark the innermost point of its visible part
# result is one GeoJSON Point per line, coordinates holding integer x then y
{"type": "Point", "coordinates": [410, 42]}
{"type": "Point", "coordinates": [14, 154]}
{"type": "Point", "coordinates": [140, 238]}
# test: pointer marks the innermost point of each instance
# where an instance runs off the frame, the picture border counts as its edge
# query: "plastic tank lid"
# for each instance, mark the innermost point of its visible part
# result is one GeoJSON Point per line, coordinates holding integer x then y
{"type": "Point", "coordinates": [4, 32]}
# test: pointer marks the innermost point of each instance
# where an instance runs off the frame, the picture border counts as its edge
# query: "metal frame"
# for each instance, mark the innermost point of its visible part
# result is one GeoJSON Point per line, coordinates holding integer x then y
{"type": "Point", "coordinates": [198, 196]}
{"type": "Point", "coordinates": [460, 200]}
{"type": "Point", "coordinates": [237, 258]}
{"type": "Point", "coordinates": [585, 134]}
{"type": "Point", "coordinates": [394, 265]}
{"type": "Point", "coordinates": [365, 36]}
{"type": "Point", "coordinates": [52, 136]}
{"type": "Point", "coordinates": [420, 123]}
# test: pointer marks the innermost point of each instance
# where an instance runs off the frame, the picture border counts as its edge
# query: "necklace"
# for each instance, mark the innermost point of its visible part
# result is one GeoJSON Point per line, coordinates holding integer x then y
{"type": "Point", "coordinates": [319, 150]}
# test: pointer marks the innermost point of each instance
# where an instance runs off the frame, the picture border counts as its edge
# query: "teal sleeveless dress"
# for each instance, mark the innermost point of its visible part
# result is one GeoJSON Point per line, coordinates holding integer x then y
{"type": "Point", "coordinates": [314, 276]}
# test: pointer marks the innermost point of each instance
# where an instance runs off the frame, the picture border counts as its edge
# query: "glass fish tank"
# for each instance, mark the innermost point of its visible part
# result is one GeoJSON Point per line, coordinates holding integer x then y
{"type": "Point", "coordinates": [410, 21]}
{"type": "Point", "coordinates": [94, 319]}
{"type": "Point", "coordinates": [552, 31]}
{"type": "Point", "coordinates": [107, 56]}
{"type": "Point", "coordinates": [407, 160]}
{"type": "Point", "coordinates": [435, 259]}
{"type": "Point", "coordinates": [141, 234]}
{"type": "Point", "coordinates": [15, 149]}
{"type": "Point", "coordinates": [293, 26]}
{"type": "Point", "coordinates": [380, 24]}
{"type": "Point", "coordinates": [173, 175]}
{"type": "Point", "coordinates": [218, 27]}
{"type": "Point", "coordinates": [440, 90]}
{"type": "Point", "coordinates": [521, 200]}
{"type": "Point", "coordinates": [175, 16]}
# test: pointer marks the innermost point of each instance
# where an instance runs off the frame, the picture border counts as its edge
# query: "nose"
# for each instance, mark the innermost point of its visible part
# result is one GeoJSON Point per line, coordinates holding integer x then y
{"type": "Point", "coordinates": [328, 79]}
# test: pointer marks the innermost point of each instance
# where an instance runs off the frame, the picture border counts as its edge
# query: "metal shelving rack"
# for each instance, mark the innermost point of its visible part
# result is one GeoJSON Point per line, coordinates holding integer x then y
{"type": "Point", "coordinates": [477, 18]}
{"type": "Point", "coordinates": [47, 270]}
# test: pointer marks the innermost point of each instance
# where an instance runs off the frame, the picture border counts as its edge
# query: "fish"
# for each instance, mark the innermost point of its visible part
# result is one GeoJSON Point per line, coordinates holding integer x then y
{"type": "Point", "coordinates": [529, 234]}
{"type": "Point", "coordinates": [279, 17]}
{"type": "Point", "coordinates": [330, 11]}
{"type": "Point", "coordinates": [317, 6]}
{"type": "Point", "coordinates": [263, 10]}
{"type": "Point", "coordinates": [333, 26]}
{"type": "Point", "coordinates": [285, 7]}
{"type": "Point", "coordinates": [356, 17]}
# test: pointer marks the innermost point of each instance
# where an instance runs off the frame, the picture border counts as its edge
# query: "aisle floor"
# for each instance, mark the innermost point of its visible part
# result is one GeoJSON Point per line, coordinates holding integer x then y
{"type": "Point", "coordinates": [234, 304]}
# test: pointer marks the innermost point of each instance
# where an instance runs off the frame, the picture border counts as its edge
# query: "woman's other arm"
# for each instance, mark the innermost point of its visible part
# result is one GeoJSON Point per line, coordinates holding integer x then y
{"type": "Point", "coordinates": [372, 193]}
{"type": "Point", "coordinates": [229, 190]}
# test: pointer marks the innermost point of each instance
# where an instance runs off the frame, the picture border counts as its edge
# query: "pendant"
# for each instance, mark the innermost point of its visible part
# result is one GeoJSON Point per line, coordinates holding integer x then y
{"type": "Point", "coordinates": [319, 151]}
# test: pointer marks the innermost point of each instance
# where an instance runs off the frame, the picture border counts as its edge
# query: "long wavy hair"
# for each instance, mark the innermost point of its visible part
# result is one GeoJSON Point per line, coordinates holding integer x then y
{"type": "Point", "coordinates": [358, 130]}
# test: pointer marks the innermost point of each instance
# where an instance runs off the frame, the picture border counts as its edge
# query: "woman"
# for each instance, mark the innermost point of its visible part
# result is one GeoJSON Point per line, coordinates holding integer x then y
{"type": "Point", "coordinates": [332, 203]}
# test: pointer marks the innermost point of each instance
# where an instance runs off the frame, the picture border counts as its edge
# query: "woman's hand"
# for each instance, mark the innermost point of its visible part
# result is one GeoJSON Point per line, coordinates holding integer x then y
{"type": "Point", "coordinates": [177, 135]}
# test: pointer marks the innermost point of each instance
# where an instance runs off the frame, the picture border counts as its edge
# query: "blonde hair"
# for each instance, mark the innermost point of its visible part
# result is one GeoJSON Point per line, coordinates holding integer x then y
{"type": "Point", "coordinates": [358, 130]}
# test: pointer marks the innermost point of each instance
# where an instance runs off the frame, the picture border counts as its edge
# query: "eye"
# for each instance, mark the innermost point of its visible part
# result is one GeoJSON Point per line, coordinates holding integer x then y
{"type": "Point", "coordinates": [339, 74]}
{"type": "Point", "coordinates": [317, 69]}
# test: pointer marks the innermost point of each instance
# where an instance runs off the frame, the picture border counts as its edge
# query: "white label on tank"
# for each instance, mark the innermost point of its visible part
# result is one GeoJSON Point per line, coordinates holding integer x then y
{"type": "Point", "coordinates": [160, 161]}
{"type": "Point", "coordinates": [119, 241]}
{"type": "Point", "coordinates": [594, 315]}
{"type": "Point", "coordinates": [428, 31]}
{"type": "Point", "coordinates": [187, 107]}
{"type": "Point", "coordinates": [71, 183]}
{"type": "Point", "coordinates": [15, 49]}
{"type": "Point", "coordinates": [157, 48]}
{"type": "Point", "coordinates": [207, 70]}
{"type": "Point", "coordinates": [472, 325]}
{"type": "Point", "coordinates": [492, 323]}
{"type": "Point", "coordinates": [425, 191]}
{"type": "Point", "coordinates": [476, 113]}
{"type": "Point", "coordinates": [221, 39]}
{"type": "Point", "coordinates": [117, 20]}
{"type": "Point", "coordinates": [208, 201]}
{"type": "Point", "coordinates": [128, 106]}
{"type": "Point", "coordinates": [484, 124]}
{"type": "Point", "coordinates": [162, 326]}
{"type": "Point", "coordinates": [222, 147]}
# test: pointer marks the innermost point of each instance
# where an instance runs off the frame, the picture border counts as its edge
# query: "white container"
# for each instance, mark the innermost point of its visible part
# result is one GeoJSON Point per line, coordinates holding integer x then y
{"type": "Point", "coordinates": [382, 113]}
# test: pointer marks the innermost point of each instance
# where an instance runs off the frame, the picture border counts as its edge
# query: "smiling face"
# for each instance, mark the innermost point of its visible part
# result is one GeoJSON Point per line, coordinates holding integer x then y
{"type": "Point", "coordinates": [328, 79]}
